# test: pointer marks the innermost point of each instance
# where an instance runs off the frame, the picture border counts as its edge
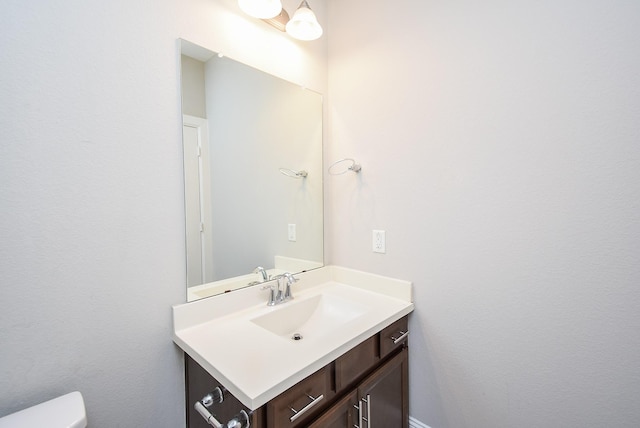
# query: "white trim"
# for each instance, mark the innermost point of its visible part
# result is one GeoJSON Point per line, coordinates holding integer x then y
{"type": "Point", "coordinates": [414, 423]}
{"type": "Point", "coordinates": [201, 126]}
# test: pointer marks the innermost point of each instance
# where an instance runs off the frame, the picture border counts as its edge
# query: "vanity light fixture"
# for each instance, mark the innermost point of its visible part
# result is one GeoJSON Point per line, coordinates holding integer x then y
{"type": "Point", "coordinates": [302, 26]}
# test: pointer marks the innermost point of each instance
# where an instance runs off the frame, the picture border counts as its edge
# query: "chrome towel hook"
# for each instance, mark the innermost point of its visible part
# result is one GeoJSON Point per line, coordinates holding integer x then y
{"type": "Point", "coordinates": [353, 167]}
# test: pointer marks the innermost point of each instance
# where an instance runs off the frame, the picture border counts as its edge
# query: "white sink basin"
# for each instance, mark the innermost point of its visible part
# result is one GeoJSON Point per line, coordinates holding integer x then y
{"type": "Point", "coordinates": [312, 317]}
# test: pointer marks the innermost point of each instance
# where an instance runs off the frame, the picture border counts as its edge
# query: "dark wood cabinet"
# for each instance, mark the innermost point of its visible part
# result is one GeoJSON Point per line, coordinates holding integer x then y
{"type": "Point", "coordinates": [365, 387]}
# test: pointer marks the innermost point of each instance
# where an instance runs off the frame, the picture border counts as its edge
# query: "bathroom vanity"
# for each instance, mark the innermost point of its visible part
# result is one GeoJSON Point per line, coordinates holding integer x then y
{"type": "Point", "coordinates": [334, 356]}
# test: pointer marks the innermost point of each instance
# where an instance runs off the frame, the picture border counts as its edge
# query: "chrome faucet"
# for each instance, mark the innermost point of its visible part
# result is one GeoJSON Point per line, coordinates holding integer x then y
{"type": "Point", "coordinates": [276, 293]}
{"type": "Point", "coordinates": [263, 272]}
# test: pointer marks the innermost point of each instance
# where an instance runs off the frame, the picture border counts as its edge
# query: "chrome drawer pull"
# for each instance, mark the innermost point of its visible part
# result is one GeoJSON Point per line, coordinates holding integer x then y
{"type": "Point", "coordinates": [298, 413]}
{"type": "Point", "coordinates": [368, 418]}
{"type": "Point", "coordinates": [359, 407]}
{"type": "Point", "coordinates": [403, 335]}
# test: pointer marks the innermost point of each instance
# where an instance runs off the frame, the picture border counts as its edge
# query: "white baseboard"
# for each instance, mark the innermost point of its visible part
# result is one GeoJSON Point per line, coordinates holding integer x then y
{"type": "Point", "coordinates": [414, 423]}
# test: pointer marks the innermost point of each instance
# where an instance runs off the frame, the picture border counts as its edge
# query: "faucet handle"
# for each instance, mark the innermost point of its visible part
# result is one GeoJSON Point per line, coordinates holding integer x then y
{"type": "Point", "coordinates": [272, 293]}
{"type": "Point", "coordinates": [290, 280]}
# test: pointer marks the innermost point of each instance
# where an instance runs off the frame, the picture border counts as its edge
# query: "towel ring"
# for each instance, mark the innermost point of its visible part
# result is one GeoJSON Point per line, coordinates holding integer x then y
{"type": "Point", "coordinates": [293, 174]}
{"type": "Point", "coordinates": [353, 167]}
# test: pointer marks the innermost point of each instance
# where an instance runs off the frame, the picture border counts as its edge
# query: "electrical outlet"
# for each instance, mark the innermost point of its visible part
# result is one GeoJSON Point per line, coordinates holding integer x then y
{"type": "Point", "coordinates": [379, 242]}
{"type": "Point", "coordinates": [292, 232]}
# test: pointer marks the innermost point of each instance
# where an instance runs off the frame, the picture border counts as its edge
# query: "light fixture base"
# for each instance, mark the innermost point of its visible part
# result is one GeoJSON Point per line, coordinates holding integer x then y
{"type": "Point", "coordinates": [279, 22]}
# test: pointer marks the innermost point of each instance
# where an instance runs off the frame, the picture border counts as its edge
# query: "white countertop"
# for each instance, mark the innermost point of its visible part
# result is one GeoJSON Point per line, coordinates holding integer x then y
{"type": "Point", "coordinates": [256, 365]}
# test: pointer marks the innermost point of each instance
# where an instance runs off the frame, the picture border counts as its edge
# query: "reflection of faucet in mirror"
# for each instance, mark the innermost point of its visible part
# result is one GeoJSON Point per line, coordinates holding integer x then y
{"type": "Point", "coordinates": [263, 272]}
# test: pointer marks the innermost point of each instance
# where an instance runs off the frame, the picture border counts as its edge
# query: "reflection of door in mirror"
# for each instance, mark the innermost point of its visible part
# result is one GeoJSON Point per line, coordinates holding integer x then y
{"type": "Point", "coordinates": [195, 135]}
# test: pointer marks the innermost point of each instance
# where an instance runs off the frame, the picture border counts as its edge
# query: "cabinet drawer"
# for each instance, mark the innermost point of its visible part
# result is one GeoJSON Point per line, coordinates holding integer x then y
{"type": "Point", "coordinates": [301, 401]}
{"type": "Point", "coordinates": [356, 362]}
{"type": "Point", "coordinates": [392, 336]}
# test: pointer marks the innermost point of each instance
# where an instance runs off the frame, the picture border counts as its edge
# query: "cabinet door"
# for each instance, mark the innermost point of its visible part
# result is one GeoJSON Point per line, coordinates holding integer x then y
{"type": "Point", "coordinates": [343, 414]}
{"type": "Point", "coordinates": [384, 394]}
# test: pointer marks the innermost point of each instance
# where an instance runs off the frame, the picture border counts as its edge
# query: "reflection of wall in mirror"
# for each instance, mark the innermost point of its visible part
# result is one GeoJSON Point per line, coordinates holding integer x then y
{"type": "Point", "coordinates": [259, 124]}
{"type": "Point", "coordinates": [193, 93]}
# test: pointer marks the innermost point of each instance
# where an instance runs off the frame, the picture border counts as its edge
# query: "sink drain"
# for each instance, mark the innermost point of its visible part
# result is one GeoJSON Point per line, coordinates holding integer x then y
{"type": "Point", "coordinates": [296, 336]}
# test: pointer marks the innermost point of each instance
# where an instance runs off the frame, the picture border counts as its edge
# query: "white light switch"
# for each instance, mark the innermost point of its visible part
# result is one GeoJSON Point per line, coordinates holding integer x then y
{"type": "Point", "coordinates": [292, 232]}
{"type": "Point", "coordinates": [379, 242]}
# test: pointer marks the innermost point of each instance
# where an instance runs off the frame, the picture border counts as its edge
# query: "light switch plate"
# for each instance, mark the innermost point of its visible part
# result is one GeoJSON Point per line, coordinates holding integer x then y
{"type": "Point", "coordinates": [292, 232]}
{"type": "Point", "coordinates": [379, 242]}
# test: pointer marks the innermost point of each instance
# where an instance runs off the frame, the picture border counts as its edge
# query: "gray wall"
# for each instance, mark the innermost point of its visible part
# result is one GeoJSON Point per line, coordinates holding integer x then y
{"type": "Point", "coordinates": [92, 224]}
{"type": "Point", "coordinates": [499, 144]}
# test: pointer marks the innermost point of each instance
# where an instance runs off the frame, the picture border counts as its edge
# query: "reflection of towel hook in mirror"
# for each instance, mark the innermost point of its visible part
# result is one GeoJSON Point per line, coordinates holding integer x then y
{"type": "Point", "coordinates": [353, 167]}
{"type": "Point", "coordinates": [293, 174]}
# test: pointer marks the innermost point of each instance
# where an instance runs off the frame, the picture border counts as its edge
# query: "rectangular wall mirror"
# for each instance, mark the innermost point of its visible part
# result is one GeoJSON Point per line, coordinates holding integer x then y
{"type": "Point", "coordinates": [253, 174]}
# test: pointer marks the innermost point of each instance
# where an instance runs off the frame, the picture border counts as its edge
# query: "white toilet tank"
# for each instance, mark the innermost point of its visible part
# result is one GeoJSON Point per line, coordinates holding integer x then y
{"type": "Point", "coordinates": [66, 411]}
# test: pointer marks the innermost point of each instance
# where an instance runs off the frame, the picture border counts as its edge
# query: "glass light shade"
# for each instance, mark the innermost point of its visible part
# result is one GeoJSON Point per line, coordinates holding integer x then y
{"type": "Point", "coordinates": [261, 9]}
{"type": "Point", "coordinates": [304, 24]}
